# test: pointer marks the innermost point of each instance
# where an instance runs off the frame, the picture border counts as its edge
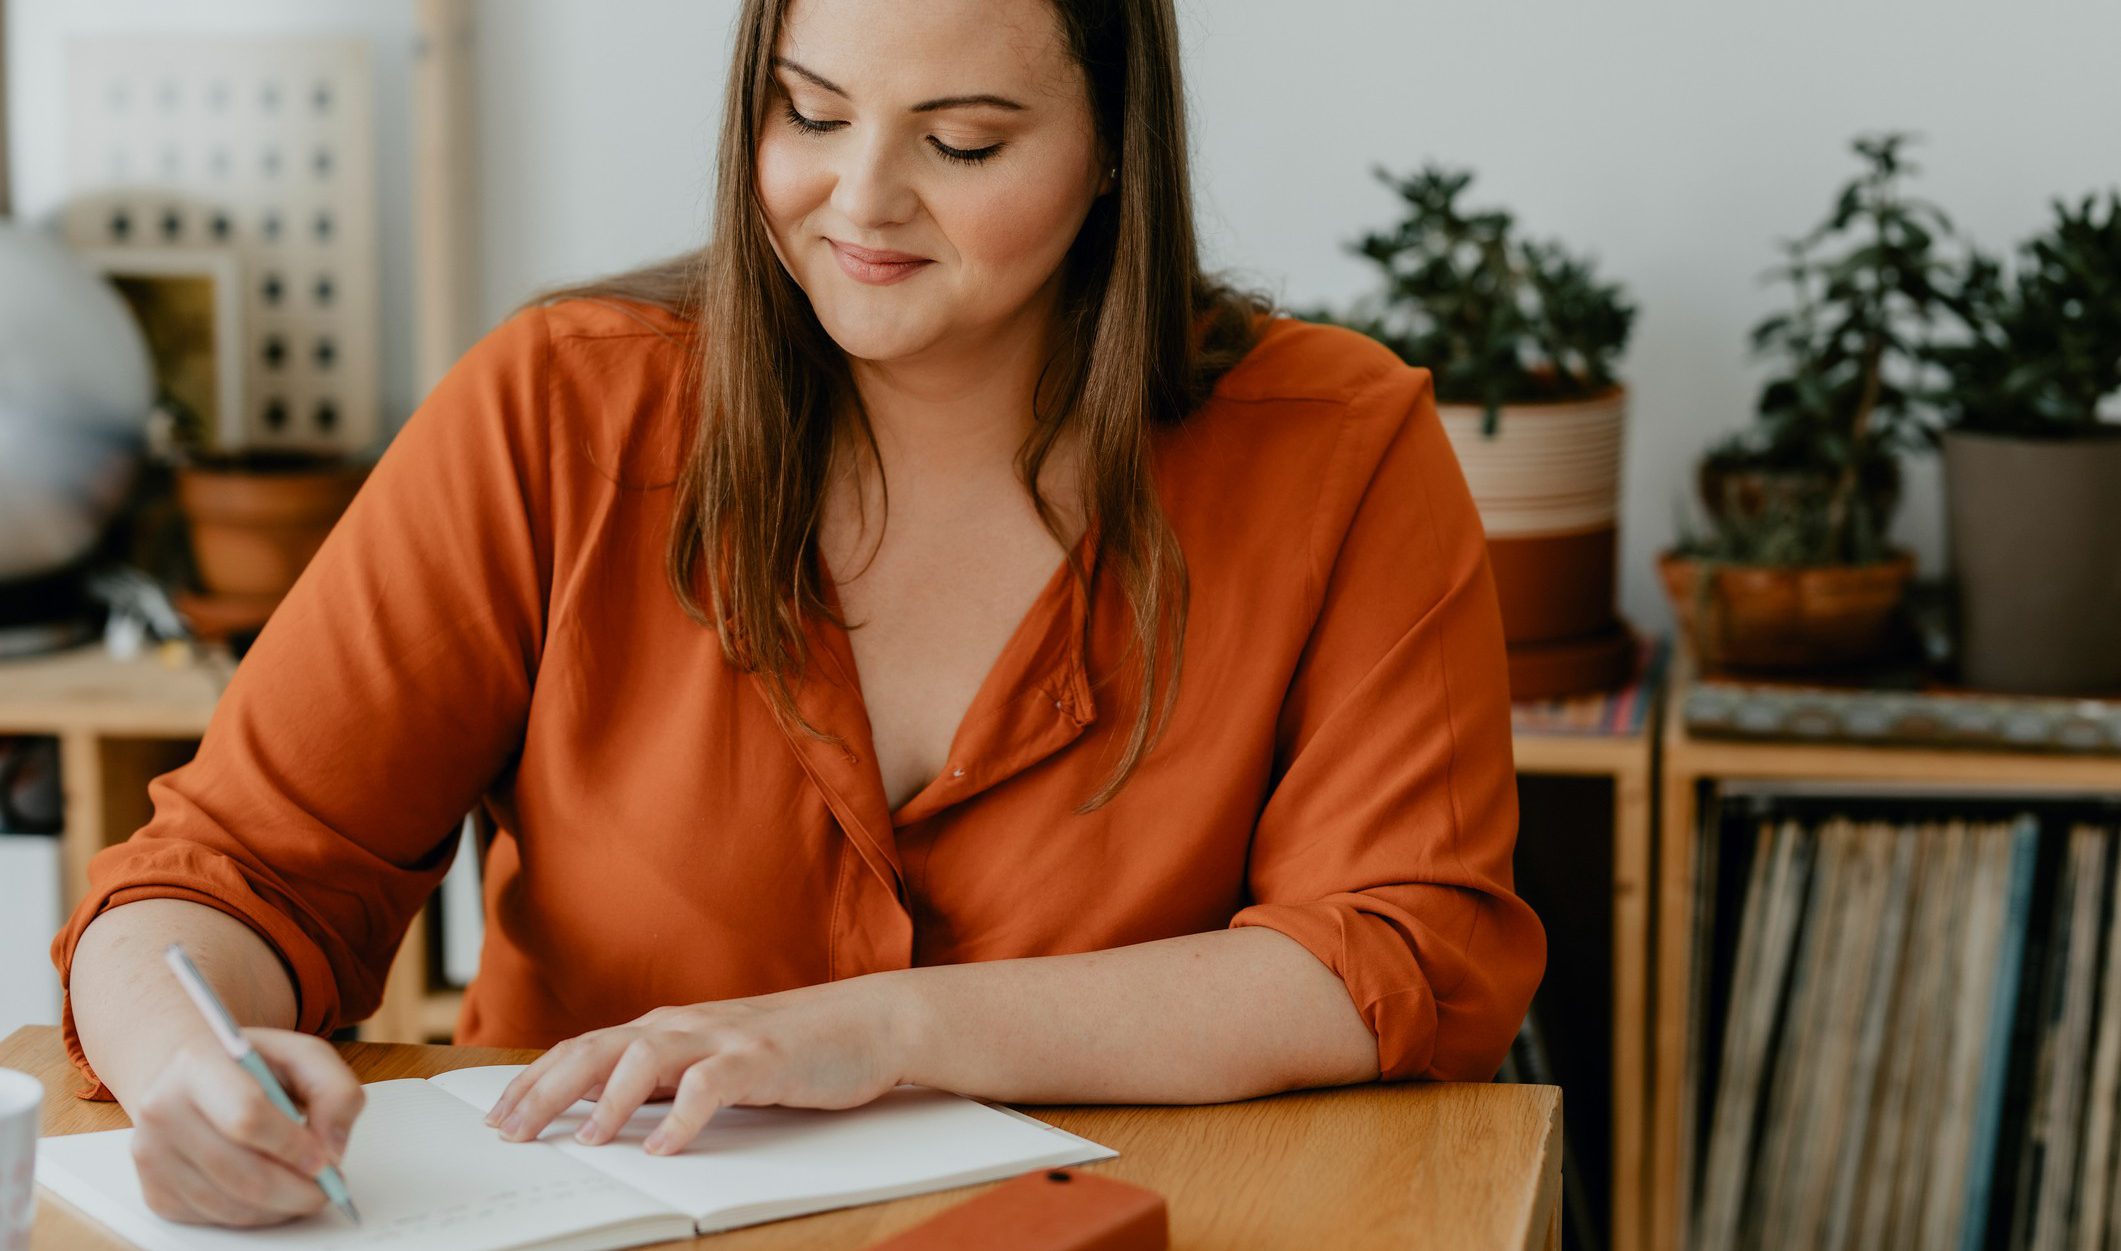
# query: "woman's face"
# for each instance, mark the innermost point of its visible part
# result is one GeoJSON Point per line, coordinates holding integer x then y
{"type": "Point", "coordinates": [955, 131]}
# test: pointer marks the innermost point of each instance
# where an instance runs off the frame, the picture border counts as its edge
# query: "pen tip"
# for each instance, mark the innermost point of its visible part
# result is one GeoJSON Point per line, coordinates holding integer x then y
{"type": "Point", "coordinates": [352, 1212]}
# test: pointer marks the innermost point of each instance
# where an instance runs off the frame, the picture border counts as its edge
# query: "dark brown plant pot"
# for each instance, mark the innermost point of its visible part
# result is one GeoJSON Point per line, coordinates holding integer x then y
{"type": "Point", "coordinates": [1555, 587]}
{"type": "Point", "coordinates": [2035, 533]}
{"type": "Point", "coordinates": [1785, 619]}
{"type": "Point", "coordinates": [256, 521]}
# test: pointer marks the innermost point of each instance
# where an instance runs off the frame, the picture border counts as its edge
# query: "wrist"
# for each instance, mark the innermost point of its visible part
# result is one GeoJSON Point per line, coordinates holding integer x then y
{"type": "Point", "coordinates": [904, 1025]}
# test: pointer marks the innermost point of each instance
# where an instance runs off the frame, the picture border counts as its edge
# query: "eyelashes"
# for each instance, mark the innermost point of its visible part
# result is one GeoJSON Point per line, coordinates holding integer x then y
{"type": "Point", "coordinates": [809, 126]}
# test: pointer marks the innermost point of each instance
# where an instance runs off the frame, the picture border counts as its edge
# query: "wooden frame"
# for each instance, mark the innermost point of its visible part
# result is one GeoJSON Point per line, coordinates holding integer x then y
{"type": "Point", "coordinates": [1688, 763]}
{"type": "Point", "coordinates": [1629, 763]}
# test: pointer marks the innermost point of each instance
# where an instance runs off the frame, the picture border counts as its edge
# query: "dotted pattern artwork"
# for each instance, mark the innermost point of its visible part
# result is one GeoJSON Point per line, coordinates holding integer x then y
{"type": "Point", "coordinates": [263, 145]}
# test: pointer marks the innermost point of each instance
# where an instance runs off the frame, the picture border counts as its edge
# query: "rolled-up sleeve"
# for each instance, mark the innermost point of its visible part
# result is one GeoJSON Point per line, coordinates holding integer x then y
{"type": "Point", "coordinates": [1385, 844]}
{"type": "Point", "coordinates": [387, 691]}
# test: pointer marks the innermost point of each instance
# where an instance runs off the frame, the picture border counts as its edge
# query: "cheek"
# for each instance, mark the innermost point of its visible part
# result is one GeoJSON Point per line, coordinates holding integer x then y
{"type": "Point", "coordinates": [789, 186]}
{"type": "Point", "coordinates": [1020, 224]}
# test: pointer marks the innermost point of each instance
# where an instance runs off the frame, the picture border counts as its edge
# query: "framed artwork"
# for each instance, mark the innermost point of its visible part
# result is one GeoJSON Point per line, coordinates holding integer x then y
{"type": "Point", "coordinates": [189, 303]}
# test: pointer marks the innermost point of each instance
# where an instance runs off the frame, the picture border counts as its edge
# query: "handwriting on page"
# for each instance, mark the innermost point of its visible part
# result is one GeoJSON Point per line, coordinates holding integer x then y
{"type": "Point", "coordinates": [432, 1227]}
{"type": "Point", "coordinates": [426, 1173]}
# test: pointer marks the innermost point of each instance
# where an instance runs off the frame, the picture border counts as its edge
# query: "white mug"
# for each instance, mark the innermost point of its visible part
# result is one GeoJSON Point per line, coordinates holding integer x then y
{"type": "Point", "coordinates": [21, 1114]}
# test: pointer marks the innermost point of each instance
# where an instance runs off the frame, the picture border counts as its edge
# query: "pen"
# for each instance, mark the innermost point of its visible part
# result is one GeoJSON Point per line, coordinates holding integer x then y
{"type": "Point", "coordinates": [240, 1050]}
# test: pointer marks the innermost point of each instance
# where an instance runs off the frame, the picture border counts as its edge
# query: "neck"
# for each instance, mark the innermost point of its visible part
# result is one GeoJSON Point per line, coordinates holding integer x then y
{"type": "Point", "coordinates": [962, 407]}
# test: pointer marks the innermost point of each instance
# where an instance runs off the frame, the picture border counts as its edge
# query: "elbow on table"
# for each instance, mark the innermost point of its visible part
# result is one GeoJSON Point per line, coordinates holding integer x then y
{"type": "Point", "coordinates": [1464, 1034]}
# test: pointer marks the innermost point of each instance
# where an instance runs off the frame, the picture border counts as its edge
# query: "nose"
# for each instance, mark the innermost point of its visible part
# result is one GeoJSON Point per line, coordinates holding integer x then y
{"type": "Point", "coordinates": [872, 188]}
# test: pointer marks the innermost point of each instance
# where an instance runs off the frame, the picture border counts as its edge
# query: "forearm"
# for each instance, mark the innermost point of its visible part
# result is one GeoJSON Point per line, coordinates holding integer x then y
{"type": "Point", "coordinates": [130, 1010]}
{"type": "Point", "coordinates": [1201, 1018]}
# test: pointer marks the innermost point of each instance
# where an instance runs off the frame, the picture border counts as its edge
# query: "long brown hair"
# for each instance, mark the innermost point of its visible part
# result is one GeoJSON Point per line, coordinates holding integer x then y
{"type": "Point", "coordinates": [1144, 335]}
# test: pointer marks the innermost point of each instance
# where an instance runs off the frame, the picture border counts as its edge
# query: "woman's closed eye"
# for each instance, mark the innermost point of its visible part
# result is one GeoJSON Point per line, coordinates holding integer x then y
{"type": "Point", "coordinates": [811, 126]}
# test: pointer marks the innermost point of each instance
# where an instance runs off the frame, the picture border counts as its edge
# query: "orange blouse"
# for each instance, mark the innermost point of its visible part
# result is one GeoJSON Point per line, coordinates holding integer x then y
{"type": "Point", "coordinates": [489, 623]}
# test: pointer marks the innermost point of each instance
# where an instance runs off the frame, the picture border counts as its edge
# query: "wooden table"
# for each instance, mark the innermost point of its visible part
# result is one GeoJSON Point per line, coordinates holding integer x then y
{"type": "Point", "coordinates": [1457, 1165]}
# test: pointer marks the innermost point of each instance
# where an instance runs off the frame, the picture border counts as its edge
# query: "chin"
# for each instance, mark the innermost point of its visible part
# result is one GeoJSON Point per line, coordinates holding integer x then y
{"type": "Point", "coordinates": [878, 334]}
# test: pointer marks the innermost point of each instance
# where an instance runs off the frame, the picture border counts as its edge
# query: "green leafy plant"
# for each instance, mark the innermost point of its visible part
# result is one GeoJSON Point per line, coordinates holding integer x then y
{"type": "Point", "coordinates": [2041, 349]}
{"type": "Point", "coordinates": [1495, 318]}
{"type": "Point", "coordinates": [1842, 401]}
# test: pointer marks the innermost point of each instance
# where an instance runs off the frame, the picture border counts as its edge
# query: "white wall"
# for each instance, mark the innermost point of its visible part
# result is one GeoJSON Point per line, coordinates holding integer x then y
{"type": "Point", "coordinates": [1676, 142]}
{"type": "Point", "coordinates": [36, 119]}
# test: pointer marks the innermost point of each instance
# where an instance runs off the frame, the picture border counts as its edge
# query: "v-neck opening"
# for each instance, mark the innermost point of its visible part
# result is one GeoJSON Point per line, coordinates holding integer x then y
{"type": "Point", "coordinates": [1008, 666]}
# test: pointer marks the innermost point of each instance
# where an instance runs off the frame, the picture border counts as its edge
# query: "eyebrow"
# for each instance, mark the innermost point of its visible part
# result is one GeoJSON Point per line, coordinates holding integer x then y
{"type": "Point", "coordinates": [925, 106]}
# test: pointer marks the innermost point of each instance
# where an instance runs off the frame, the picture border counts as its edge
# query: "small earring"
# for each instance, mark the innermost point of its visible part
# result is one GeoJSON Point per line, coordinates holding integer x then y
{"type": "Point", "coordinates": [1115, 171]}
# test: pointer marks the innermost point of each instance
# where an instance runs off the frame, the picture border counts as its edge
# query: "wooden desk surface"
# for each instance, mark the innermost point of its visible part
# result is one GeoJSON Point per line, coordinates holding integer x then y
{"type": "Point", "coordinates": [1402, 1165]}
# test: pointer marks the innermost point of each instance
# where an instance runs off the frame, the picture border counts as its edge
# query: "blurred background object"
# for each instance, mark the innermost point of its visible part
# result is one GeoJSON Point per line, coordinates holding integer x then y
{"type": "Point", "coordinates": [76, 384]}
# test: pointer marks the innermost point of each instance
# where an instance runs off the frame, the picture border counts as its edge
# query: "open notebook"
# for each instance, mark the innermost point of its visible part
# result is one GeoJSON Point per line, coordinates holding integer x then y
{"type": "Point", "coordinates": [426, 1171]}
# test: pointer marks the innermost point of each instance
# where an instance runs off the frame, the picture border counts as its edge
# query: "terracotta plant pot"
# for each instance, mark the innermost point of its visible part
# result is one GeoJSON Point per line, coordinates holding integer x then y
{"type": "Point", "coordinates": [256, 521]}
{"type": "Point", "coordinates": [1785, 619]}
{"type": "Point", "coordinates": [1547, 484]}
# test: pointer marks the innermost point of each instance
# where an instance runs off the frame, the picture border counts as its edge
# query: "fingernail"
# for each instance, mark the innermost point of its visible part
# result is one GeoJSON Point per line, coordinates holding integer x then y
{"type": "Point", "coordinates": [338, 1145]}
{"type": "Point", "coordinates": [511, 1127]}
{"type": "Point", "coordinates": [588, 1133]}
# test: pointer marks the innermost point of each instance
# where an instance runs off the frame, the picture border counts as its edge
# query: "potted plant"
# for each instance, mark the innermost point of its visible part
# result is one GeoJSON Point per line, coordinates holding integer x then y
{"type": "Point", "coordinates": [255, 516]}
{"type": "Point", "coordinates": [1795, 571]}
{"type": "Point", "coordinates": [1521, 339]}
{"type": "Point", "coordinates": [2032, 471]}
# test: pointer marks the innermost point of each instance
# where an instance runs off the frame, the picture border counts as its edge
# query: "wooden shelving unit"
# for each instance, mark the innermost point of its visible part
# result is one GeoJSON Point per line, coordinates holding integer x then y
{"type": "Point", "coordinates": [1690, 765]}
{"type": "Point", "coordinates": [1628, 763]}
{"type": "Point", "coordinates": [122, 722]}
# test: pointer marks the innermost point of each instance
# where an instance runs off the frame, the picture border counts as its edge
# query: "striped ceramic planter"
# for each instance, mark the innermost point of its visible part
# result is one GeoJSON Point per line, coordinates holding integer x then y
{"type": "Point", "coordinates": [1547, 483]}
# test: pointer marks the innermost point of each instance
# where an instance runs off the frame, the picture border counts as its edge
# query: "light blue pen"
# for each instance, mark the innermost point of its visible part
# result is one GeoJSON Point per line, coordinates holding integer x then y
{"type": "Point", "coordinates": [240, 1050]}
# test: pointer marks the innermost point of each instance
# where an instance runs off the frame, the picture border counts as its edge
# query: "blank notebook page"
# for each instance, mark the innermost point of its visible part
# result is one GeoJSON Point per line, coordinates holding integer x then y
{"type": "Point", "coordinates": [757, 1163]}
{"type": "Point", "coordinates": [425, 1171]}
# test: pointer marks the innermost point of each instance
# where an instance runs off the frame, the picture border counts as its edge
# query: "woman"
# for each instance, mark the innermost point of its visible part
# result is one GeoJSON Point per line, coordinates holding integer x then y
{"type": "Point", "coordinates": [792, 804]}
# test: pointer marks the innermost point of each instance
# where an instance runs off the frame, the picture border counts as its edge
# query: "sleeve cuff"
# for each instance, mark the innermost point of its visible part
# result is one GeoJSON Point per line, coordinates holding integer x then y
{"type": "Point", "coordinates": [1384, 981]}
{"type": "Point", "coordinates": [311, 1008]}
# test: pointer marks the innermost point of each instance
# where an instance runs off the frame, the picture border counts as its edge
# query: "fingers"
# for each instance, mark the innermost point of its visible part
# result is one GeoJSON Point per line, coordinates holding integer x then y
{"type": "Point", "coordinates": [577, 1064]}
{"type": "Point", "coordinates": [213, 1177]}
{"type": "Point", "coordinates": [175, 1190]}
{"type": "Point", "coordinates": [632, 1081]}
{"type": "Point", "coordinates": [708, 1085]}
{"type": "Point", "coordinates": [231, 1102]}
{"type": "Point", "coordinates": [318, 1080]}
{"type": "Point", "coordinates": [267, 1189]}
{"type": "Point", "coordinates": [513, 1092]}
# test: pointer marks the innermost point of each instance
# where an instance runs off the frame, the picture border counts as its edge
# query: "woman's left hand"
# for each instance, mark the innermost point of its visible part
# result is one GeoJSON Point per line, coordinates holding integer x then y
{"type": "Point", "coordinates": [833, 1045]}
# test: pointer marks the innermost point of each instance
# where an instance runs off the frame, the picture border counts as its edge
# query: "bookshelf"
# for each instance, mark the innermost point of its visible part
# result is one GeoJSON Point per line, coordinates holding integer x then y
{"type": "Point", "coordinates": [1691, 767]}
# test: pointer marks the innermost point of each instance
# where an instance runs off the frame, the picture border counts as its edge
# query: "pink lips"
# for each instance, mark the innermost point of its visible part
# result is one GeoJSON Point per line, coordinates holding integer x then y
{"type": "Point", "coordinates": [875, 267]}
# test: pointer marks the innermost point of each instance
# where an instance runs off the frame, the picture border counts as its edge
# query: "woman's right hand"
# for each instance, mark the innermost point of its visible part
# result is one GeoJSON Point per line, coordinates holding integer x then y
{"type": "Point", "coordinates": [211, 1147]}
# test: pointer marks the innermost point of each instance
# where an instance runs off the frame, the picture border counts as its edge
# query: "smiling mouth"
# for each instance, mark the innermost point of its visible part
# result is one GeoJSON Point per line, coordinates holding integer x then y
{"type": "Point", "coordinates": [875, 268]}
